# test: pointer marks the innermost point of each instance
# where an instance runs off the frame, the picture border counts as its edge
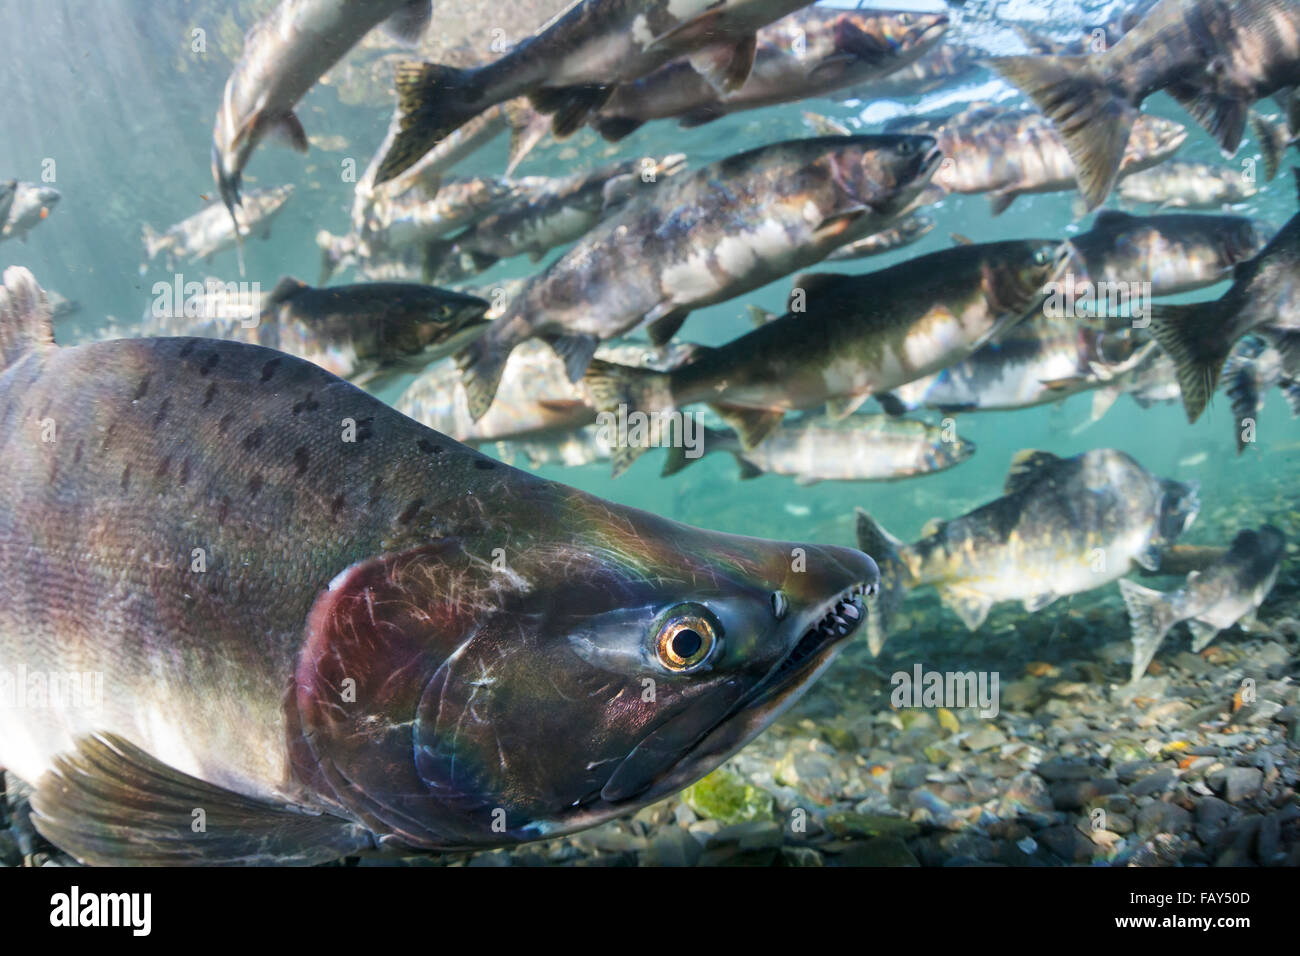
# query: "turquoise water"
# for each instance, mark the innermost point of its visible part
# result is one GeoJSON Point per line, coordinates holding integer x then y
{"type": "Point", "coordinates": [112, 92]}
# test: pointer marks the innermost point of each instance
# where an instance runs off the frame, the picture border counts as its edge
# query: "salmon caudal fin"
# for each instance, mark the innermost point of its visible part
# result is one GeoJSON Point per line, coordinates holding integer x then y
{"type": "Point", "coordinates": [1093, 117]}
{"type": "Point", "coordinates": [1150, 615]}
{"type": "Point", "coordinates": [634, 396]}
{"type": "Point", "coordinates": [431, 105]}
{"type": "Point", "coordinates": [26, 322]}
{"type": "Point", "coordinates": [895, 579]}
{"type": "Point", "coordinates": [1192, 336]}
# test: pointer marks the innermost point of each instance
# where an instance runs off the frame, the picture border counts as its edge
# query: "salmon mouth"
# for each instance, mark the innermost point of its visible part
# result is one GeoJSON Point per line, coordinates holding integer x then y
{"type": "Point", "coordinates": [842, 618]}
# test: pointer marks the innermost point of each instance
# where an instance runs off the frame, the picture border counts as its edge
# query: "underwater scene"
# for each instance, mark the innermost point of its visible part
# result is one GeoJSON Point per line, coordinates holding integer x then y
{"type": "Point", "coordinates": [650, 433]}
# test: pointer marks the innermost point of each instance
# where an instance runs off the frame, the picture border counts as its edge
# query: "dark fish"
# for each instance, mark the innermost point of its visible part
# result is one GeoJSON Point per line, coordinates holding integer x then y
{"type": "Point", "coordinates": [283, 57]}
{"type": "Point", "coordinates": [812, 52]}
{"type": "Point", "coordinates": [846, 338]}
{"type": "Point", "coordinates": [337, 631]}
{"type": "Point", "coordinates": [571, 66]}
{"type": "Point", "coordinates": [1213, 600]}
{"type": "Point", "coordinates": [1216, 57]}
{"type": "Point", "coordinates": [1063, 526]}
{"type": "Point", "coordinates": [702, 238]}
{"type": "Point", "coordinates": [7, 192]}
{"type": "Point", "coordinates": [1266, 291]}
{"type": "Point", "coordinates": [1269, 359]}
{"type": "Point", "coordinates": [857, 448]}
{"type": "Point", "coordinates": [940, 67]}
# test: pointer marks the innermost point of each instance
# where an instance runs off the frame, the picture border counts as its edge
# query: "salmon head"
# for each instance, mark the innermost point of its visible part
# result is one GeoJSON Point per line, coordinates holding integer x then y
{"type": "Point", "coordinates": [568, 661]}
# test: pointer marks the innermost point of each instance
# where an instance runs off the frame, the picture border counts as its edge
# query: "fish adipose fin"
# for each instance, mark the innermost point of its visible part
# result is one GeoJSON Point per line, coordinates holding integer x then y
{"type": "Point", "coordinates": [895, 579]}
{"type": "Point", "coordinates": [1093, 117]}
{"type": "Point", "coordinates": [108, 802]}
{"type": "Point", "coordinates": [1190, 335]}
{"type": "Point", "coordinates": [433, 102]}
{"type": "Point", "coordinates": [26, 322]}
{"type": "Point", "coordinates": [1150, 616]}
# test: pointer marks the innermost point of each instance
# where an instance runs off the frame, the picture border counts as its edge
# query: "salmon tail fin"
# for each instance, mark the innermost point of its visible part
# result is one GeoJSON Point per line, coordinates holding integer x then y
{"type": "Point", "coordinates": [1191, 336]}
{"type": "Point", "coordinates": [228, 185]}
{"type": "Point", "coordinates": [1150, 615]}
{"type": "Point", "coordinates": [481, 364]}
{"type": "Point", "coordinates": [431, 105]}
{"type": "Point", "coordinates": [895, 579]}
{"type": "Point", "coordinates": [1093, 117]}
{"type": "Point", "coordinates": [635, 396]}
{"type": "Point", "coordinates": [26, 322]}
{"type": "Point", "coordinates": [681, 454]}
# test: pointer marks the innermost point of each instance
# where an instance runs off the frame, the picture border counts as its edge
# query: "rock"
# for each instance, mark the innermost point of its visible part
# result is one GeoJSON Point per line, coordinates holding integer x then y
{"type": "Point", "coordinates": [984, 738]}
{"type": "Point", "coordinates": [1161, 817]}
{"type": "Point", "coordinates": [1062, 769]}
{"type": "Point", "coordinates": [1077, 794]}
{"type": "Point", "coordinates": [1066, 842]}
{"type": "Point", "coordinates": [879, 851]}
{"type": "Point", "coordinates": [909, 776]}
{"type": "Point", "coordinates": [1152, 784]}
{"type": "Point", "coordinates": [800, 856]}
{"type": "Point", "coordinates": [672, 846]}
{"type": "Point", "coordinates": [850, 824]}
{"type": "Point", "coordinates": [725, 797]}
{"type": "Point", "coordinates": [1027, 792]}
{"type": "Point", "coordinates": [1240, 783]}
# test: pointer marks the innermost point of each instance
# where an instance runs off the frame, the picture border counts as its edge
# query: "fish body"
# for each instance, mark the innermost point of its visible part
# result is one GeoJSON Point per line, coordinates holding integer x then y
{"type": "Point", "coordinates": [29, 205]}
{"type": "Point", "coordinates": [1216, 57]}
{"type": "Point", "coordinates": [1063, 526]}
{"type": "Point", "coordinates": [704, 237]}
{"type": "Point", "coordinates": [211, 230]}
{"type": "Point", "coordinates": [853, 337]}
{"type": "Point", "coordinates": [572, 65]}
{"type": "Point", "coordinates": [283, 57]}
{"type": "Point", "coordinates": [555, 212]}
{"type": "Point", "coordinates": [942, 66]}
{"type": "Point", "coordinates": [7, 193]}
{"type": "Point", "coordinates": [574, 449]}
{"type": "Point", "coordinates": [857, 448]}
{"type": "Point", "coordinates": [337, 641]}
{"type": "Point", "coordinates": [362, 333]}
{"type": "Point", "coordinates": [1173, 253]}
{"type": "Point", "coordinates": [416, 217]}
{"type": "Point", "coordinates": [1010, 153]}
{"type": "Point", "coordinates": [1199, 337]}
{"type": "Point", "coordinates": [812, 52]}
{"type": "Point", "coordinates": [1184, 185]}
{"type": "Point", "coordinates": [1212, 600]}
{"type": "Point", "coordinates": [1260, 362]}
{"type": "Point", "coordinates": [1043, 359]}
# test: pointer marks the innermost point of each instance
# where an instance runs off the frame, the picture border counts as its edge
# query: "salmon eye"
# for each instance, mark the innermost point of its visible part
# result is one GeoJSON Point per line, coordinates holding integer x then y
{"type": "Point", "coordinates": [687, 637]}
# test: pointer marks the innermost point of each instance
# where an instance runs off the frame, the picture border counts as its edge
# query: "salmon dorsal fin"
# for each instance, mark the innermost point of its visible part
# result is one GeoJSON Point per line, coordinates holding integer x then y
{"type": "Point", "coordinates": [1025, 466]}
{"type": "Point", "coordinates": [26, 322]}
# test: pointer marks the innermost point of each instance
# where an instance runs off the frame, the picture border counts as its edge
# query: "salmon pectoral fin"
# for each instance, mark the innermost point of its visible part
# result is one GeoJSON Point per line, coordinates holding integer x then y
{"type": "Point", "coordinates": [26, 322]}
{"type": "Point", "coordinates": [971, 606]}
{"type": "Point", "coordinates": [110, 803]}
